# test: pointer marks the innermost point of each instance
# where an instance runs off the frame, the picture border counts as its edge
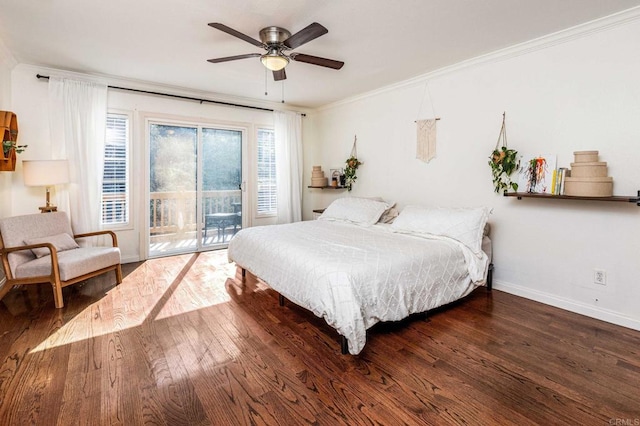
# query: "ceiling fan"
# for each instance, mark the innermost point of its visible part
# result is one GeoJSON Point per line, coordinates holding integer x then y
{"type": "Point", "coordinates": [277, 41]}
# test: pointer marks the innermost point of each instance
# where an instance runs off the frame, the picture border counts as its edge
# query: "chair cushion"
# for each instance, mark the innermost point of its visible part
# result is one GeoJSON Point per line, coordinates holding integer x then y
{"type": "Point", "coordinates": [61, 242]}
{"type": "Point", "coordinates": [72, 263]}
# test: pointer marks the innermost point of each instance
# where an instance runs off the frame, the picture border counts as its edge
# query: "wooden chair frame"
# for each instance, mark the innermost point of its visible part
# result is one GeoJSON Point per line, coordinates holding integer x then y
{"type": "Point", "coordinates": [54, 277]}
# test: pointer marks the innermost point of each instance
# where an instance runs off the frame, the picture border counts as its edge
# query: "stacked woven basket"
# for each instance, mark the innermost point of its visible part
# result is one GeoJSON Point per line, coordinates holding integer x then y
{"type": "Point", "coordinates": [588, 176]}
{"type": "Point", "coordinates": [317, 177]}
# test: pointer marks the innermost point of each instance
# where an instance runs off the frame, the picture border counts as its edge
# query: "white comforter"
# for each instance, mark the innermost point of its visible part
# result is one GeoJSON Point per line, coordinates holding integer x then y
{"type": "Point", "coordinates": [353, 276]}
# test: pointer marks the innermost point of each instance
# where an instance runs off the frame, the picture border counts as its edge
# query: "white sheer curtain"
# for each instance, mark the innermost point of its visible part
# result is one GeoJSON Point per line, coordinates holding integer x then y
{"type": "Point", "coordinates": [288, 138]}
{"type": "Point", "coordinates": [78, 117]}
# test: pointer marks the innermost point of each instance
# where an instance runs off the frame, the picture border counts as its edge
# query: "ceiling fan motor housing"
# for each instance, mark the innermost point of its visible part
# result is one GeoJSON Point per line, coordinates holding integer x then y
{"type": "Point", "coordinates": [274, 35]}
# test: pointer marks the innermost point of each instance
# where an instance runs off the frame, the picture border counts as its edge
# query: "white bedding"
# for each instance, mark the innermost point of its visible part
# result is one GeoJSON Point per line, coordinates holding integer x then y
{"type": "Point", "coordinates": [355, 276]}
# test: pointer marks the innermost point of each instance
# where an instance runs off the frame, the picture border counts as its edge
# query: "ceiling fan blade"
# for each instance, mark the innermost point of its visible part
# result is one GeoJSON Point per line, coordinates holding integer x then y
{"type": "Point", "coordinates": [235, 33]}
{"type": "Point", "coordinates": [315, 60]}
{"type": "Point", "coordinates": [279, 75]}
{"type": "Point", "coordinates": [233, 58]}
{"type": "Point", "coordinates": [305, 35]}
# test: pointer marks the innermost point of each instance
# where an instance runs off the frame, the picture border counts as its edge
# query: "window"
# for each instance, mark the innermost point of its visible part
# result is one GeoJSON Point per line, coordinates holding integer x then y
{"type": "Point", "coordinates": [267, 199]}
{"type": "Point", "coordinates": [115, 178]}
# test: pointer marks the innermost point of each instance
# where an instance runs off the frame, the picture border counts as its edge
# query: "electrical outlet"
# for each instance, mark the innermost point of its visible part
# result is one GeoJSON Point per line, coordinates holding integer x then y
{"type": "Point", "coordinates": [600, 276]}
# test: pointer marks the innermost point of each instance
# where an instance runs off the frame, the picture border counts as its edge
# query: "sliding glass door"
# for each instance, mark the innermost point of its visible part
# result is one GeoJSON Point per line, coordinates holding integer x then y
{"type": "Point", "coordinates": [221, 185]}
{"type": "Point", "coordinates": [195, 194]}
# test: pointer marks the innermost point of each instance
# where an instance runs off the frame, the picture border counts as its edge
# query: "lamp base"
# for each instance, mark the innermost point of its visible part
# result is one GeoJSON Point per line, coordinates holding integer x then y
{"type": "Point", "coordinates": [48, 209]}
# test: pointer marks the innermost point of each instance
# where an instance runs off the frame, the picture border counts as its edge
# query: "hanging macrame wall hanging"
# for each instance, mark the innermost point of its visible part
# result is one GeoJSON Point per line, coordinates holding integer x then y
{"type": "Point", "coordinates": [426, 132]}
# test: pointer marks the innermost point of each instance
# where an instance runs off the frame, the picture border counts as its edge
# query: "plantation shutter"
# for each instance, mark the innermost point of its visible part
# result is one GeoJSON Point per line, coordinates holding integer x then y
{"type": "Point", "coordinates": [115, 188]}
{"type": "Point", "coordinates": [267, 198]}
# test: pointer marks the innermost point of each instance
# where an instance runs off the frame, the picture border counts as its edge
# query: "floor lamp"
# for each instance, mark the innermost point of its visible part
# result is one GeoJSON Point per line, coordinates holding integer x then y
{"type": "Point", "coordinates": [46, 173]}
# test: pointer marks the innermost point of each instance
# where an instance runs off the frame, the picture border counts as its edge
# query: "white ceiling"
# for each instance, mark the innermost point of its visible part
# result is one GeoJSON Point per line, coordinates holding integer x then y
{"type": "Point", "coordinates": [380, 41]}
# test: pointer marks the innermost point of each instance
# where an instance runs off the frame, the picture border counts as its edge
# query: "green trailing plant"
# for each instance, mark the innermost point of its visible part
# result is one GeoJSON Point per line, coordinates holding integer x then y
{"type": "Point", "coordinates": [7, 146]}
{"type": "Point", "coordinates": [352, 164]}
{"type": "Point", "coordinates": [350, 171]}
{"type": "Point", "coordinates": [504, 162]}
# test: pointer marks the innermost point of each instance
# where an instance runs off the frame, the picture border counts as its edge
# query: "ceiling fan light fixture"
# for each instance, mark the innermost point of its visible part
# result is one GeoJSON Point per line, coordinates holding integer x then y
{"type": "Point", "coordinates": [274, 61]}
{"type": "Point", "coordinates": [276, 41]}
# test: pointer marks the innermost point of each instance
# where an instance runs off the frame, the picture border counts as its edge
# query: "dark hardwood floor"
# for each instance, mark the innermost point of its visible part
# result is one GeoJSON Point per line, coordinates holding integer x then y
{"type": "Point", "coordinates": [179, 342]}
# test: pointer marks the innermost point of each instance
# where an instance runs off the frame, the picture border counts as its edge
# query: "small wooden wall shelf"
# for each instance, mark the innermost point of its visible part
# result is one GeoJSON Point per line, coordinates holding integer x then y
{"type": "Point", "coordinates": [8, 163]}
{"type": "Point", "coordinates": [9, 132]}
{"type": "Point", "coordinates": [327, 187]}
{"type": "Point", "coordinates": [617, 198]}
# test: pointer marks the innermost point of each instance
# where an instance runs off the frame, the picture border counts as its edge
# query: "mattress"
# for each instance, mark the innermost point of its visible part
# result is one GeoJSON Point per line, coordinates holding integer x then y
{"type": "Point", "coordinates": [354, 276]}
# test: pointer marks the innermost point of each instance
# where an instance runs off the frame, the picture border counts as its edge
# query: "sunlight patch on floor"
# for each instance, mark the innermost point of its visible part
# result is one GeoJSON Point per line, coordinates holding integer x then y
{"type": "Point", "coordinates": [200, 284]}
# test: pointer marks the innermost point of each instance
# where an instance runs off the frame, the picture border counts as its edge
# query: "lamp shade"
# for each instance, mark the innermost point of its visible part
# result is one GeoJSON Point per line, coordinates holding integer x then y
{"type": "Point", "coordinates": [45, 172]}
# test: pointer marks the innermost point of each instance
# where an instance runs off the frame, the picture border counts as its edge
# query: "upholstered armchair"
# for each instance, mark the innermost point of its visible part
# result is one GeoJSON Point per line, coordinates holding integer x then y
{"type": "Point", "coordinates": [41, 248]}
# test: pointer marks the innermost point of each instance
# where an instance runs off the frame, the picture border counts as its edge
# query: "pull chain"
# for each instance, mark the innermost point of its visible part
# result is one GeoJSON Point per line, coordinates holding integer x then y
{"type": "Point", "coordinates": [282, 91]}
{"type": "Point", "coordinates": [265, 82]}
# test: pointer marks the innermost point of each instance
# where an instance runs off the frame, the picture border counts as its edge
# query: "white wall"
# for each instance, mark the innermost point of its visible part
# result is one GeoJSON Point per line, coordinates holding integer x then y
{"type": "Point", "coordinates": [31, 106]}
{"type": "Point", "coordinates": [560, 95]}
{"type": "Point", "coordinates": [7, 62]}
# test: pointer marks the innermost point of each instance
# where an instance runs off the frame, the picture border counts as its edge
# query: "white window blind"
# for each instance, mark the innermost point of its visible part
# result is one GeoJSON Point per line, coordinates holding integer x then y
{"type": "Point", "coordinates": [267, 201]}
{"type": "Point", "coordinates": [115, 183]}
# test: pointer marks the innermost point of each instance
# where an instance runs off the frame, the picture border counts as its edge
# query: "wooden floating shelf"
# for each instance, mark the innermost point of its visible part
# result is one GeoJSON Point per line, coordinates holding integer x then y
{"type": "Point", "coordinates": [617, 198]}
{"type": "Point", "coordinates": [327, 187]}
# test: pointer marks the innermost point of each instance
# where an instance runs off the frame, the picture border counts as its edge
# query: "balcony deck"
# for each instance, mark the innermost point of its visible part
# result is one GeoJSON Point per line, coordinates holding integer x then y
{"type": "Point", "coordinates": [160, 245]}
{"type": "Point", "coordinates": [173, 221]}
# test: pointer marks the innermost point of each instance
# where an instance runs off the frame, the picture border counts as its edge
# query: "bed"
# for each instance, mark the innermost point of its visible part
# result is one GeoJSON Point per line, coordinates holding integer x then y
{"type": "Point", "coordinates": [354, 271]}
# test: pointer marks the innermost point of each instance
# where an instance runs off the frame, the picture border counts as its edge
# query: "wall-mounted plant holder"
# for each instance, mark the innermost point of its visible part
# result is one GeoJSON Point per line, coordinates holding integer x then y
{"type": "Point", "coordinates": [9, 131]}
{"type": "Point", "coordinates": [8, 161]}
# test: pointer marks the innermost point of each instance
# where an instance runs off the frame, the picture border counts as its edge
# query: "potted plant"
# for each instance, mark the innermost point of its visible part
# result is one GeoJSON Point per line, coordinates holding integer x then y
{"type": "Point", "coordinates": [350, 171]}
{"type": "Point", "coordinates": [503, 162]}
{"type": "Point", "coordinates": [7, 146]}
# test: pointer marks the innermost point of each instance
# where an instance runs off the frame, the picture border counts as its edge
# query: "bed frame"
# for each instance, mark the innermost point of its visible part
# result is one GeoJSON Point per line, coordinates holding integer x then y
{"type": "Point", "coordinates": [344, 343]}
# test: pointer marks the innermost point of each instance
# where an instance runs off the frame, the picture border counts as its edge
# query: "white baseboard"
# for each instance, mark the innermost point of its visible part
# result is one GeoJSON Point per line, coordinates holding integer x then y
{"type": "Point", "coordinates": [568, 305]}
{"type": "Point", "coordinates": [130, 259]}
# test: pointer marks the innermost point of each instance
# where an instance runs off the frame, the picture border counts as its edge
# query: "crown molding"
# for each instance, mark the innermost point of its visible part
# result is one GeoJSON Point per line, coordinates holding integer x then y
{"type": "Point", "coordinates": [540, 43]}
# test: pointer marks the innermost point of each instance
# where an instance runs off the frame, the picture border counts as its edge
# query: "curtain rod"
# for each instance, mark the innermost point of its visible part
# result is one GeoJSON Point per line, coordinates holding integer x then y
{"type": "Point", "coordinates": [169, 95]}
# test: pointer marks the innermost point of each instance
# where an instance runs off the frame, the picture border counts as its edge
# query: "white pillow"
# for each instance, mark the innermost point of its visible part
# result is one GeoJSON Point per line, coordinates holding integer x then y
{"type": "Point", "coordinates": [463, 225]}
{"type": "Point", "coordinates": [389, 215]}
{"type": "Point", "coordinates": [360, 211]}
{"type": "Point", "coordinates": [61, 242]}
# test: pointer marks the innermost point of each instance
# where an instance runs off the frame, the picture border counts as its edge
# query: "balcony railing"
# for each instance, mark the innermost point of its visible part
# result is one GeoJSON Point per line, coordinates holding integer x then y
{"type": "Point", "coordinates": [175, 212]}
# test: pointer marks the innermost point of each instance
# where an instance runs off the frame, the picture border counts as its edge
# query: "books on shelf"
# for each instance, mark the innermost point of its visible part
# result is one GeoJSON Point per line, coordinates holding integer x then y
{"type": "Point", "coordinates": [560, 175]}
